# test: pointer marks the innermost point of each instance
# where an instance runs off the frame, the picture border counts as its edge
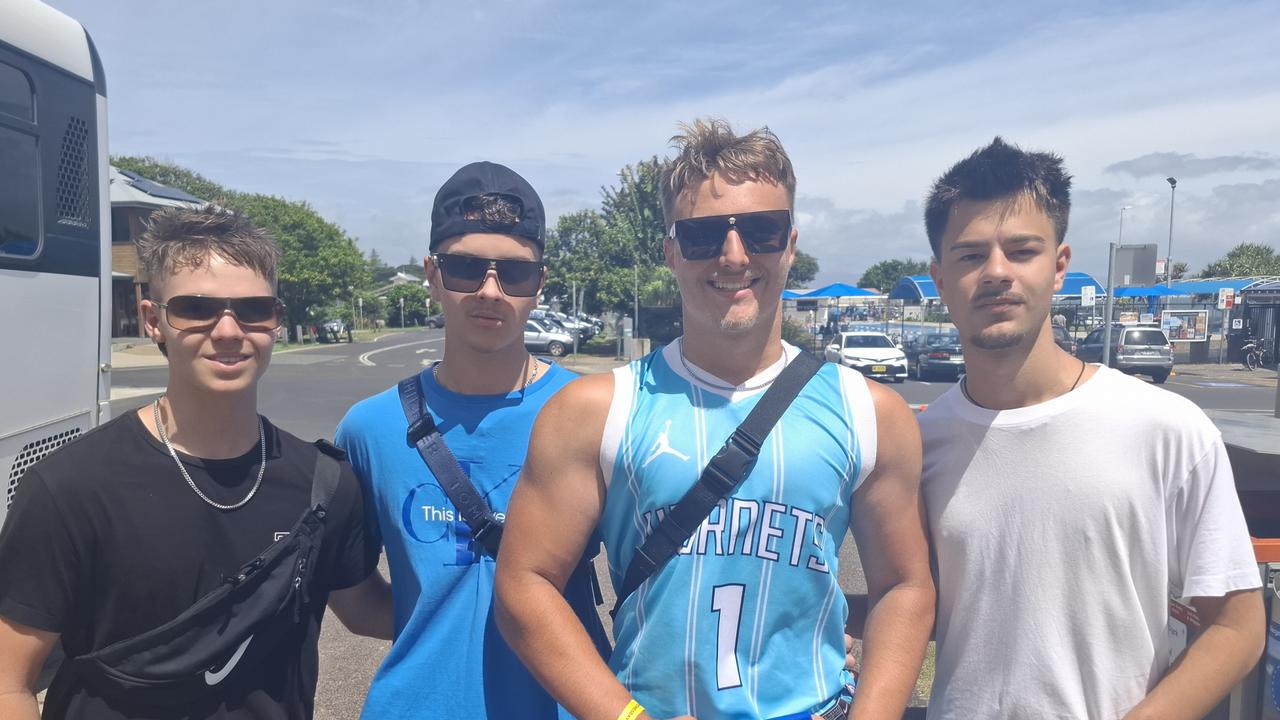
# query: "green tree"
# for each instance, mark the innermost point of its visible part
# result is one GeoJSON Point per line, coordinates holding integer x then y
{"type": "Point", "coordinates": [636, 204]}
{"type": "Point", "coordinates": [415, 298]}
{"type": "Point", "coordinates": [1179, 272]}
{"type": "Point", "coordinates": [1245, 259]}
{"type": "Point", "coordinates": [886, 273]}
{"type": "Point", "coordinates": [803, 270]}
{"type": "Point", "coordinates": [600, 259]}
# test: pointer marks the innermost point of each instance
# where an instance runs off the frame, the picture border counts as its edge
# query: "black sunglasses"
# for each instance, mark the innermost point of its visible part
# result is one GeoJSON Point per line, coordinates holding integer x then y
{"type": "Point", "coordinates": [467, 273]}
{"type": "Point", "coordinates": [197, 313]}
{"type": "Point", "coordinates": [763, 231]}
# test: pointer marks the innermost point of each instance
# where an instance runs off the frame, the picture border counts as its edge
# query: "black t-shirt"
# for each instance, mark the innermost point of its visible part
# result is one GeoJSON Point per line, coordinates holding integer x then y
{"type": "Point", "coordinates": [105, 540]}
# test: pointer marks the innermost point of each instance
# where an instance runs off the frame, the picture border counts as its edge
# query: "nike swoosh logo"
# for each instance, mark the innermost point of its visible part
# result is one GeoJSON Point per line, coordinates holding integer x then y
{"type": "Point", "coordinates": [213, 678]}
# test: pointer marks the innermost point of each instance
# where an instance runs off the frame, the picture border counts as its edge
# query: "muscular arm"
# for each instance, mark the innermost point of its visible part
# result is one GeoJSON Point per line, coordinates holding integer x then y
{"type": "Point", "coordinates": [366, 609]}
{"type": "Point", "coordinates": [889, 525]}
{"type": "Point", "coordinates": [1227, 649]}
{"type": "Point", "coordinates": [22, 653]}
{"type": "Point", "coordinates": [552, 512]}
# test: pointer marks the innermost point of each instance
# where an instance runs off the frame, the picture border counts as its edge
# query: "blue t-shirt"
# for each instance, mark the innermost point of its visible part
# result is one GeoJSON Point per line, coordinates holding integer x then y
{"type": "Point", "coordinates": [448, 659]}
{"type": "Point", "coordinates": [747, 620]}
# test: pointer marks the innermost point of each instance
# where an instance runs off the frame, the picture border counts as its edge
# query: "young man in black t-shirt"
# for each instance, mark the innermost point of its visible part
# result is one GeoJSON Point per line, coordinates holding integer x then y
{"type": "Point", "coordinates": [124, 529]}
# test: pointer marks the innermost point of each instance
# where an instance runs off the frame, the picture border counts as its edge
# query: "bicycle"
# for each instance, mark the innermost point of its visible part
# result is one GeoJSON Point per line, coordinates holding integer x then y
{"type": "Point", "coordinates": [1254, 354]}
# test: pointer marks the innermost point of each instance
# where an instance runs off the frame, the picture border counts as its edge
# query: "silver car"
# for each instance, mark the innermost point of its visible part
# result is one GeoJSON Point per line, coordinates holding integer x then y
{"type": "Point", "coordinates": [1137, 350]}
{"type": "Point", "coordinates": [542, 338]}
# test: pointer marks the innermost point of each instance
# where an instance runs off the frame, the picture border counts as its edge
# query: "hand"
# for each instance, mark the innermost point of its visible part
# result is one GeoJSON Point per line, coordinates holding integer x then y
{"type": "Point", "coordinates": [850, 662]}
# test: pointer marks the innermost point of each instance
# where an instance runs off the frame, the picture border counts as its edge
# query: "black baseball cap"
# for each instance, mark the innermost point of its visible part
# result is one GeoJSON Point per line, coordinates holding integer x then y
{"type": "Point", "coordinates": [460, 193]}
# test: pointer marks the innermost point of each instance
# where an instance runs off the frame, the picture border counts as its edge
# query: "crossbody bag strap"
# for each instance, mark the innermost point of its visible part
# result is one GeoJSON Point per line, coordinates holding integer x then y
{"type": "Point", "coordinates": [486, 526]}
{"type": "Point", "coordinates": [719, 478]}
{"type": "Point", "coordinates": [324, 478]}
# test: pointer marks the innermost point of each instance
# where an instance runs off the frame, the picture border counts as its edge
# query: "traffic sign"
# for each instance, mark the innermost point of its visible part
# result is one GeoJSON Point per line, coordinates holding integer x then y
{"type": "Point", "coordinates": [1088, 296]}
{"type": "Point", "coordinates": [1226, 298]}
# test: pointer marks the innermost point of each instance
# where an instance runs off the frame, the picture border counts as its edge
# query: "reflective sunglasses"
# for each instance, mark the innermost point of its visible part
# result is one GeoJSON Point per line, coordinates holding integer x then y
{"type": "Point", "coordinates": [197, 313]}
{"type": "Point", "coordinates": [467, 273]}
{"type": "Point", "coordinates": [762, 232]}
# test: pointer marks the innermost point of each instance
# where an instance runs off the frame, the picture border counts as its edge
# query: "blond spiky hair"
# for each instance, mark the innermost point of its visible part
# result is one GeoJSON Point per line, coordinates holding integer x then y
{"type": "Point", "coordinates": [709, 146]}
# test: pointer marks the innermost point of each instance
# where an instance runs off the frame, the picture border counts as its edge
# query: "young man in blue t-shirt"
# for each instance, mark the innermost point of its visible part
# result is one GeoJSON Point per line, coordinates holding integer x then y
{"type": "Point", "coordinates": [485, 269]}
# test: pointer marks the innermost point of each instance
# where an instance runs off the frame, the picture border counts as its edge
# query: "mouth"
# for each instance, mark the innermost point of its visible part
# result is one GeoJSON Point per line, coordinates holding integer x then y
{"type": "Point", "coordinates": [733, 285]}
{"type": "Point", "coordinates": [227, 359]}
{"type": "Point", "coordinates": [999, 304]}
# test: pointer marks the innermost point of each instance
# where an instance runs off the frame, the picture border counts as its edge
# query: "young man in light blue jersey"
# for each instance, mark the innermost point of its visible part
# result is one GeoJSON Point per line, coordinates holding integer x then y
{"type": "Point", "coordinates": [448, 660]}
{"type": "Point", "coordinates": [747, 620]}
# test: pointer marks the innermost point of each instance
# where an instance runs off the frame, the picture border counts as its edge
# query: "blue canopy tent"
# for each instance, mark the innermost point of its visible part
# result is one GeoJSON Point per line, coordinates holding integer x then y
{"type": "Point", "coordinates": [839, 290]}
{"type": "Point", "coordinates": [1212, 286]}
{"type": "Point", "coordinates": [791, 295]}
{"type": "Point", "coordinates": [1075, 282]}
{"type": "Point", "coordinates": [914, 289]}
{"type": "Point", "coordinates": [1148, 292]}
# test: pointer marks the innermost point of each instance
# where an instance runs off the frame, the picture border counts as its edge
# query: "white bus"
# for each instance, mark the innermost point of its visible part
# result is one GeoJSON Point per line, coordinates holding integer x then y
{"type": "Point", "coordinates": [55, 237]}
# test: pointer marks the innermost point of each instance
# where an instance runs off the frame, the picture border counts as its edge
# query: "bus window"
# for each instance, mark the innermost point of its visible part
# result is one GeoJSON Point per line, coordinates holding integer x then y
{"type": "Point", "coordinates": [15, 94]}
{"type": "Point", "coordinates": [19, 195]}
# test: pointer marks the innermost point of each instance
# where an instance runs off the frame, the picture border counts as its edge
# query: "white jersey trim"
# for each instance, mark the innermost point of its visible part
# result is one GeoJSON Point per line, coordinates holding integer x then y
{"type": "Point", "coordinates": [862, 411]}
{"type": "Point", "coordinates": [615, 424]}
{"type": "Point", "coordinates": [708, 382]}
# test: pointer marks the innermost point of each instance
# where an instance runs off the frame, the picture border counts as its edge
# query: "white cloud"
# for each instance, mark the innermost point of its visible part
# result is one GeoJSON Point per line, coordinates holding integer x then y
{"type": "Point", "coordinates": [363, 111]}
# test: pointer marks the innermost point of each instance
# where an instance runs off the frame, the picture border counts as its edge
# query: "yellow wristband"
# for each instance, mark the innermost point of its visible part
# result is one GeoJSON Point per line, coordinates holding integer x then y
{"type": "Point", "coordinates": [631, 711]}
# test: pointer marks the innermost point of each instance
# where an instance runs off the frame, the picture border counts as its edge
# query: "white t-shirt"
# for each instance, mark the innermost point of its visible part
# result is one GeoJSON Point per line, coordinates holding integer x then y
{"type": "Point", "coordinates": [1061, 530]}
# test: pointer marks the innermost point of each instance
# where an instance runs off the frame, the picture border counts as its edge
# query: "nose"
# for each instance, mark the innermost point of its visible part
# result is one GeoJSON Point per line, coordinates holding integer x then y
{"type": "Point", "coordinates": [996, 270]}
{"type": "Point", "coordinates": [490, 289]}
{"type": "Point", "coordinates": [227, 327]}
{"type": "Point", "coordinates": [733, 253]}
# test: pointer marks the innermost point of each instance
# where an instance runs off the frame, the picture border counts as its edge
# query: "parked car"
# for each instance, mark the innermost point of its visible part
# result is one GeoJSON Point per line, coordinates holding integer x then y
{"type": "Point", "coordinates": [541, 337]}
{"type": "Point", "coordinates": [871, 353]}
{"type": "Point", "coordinates": [936, 354]}
{"type": "Point", "coordinates": [1135, 349]}
{"type": "Point", "coordinates": [332, 331]}
{"type": "Point", "coordinates": [1064, 339]}
{"type": "Point", "coordinates": [434, 321]}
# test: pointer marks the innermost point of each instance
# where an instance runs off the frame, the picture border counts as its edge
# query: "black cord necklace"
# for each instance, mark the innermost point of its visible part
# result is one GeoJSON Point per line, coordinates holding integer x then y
{"type": "Point", "coordinates": [964, 386]}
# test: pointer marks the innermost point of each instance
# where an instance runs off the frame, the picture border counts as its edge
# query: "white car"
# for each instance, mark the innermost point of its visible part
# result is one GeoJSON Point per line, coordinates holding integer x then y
{"type": "Point", "coordinates": [871, 353]}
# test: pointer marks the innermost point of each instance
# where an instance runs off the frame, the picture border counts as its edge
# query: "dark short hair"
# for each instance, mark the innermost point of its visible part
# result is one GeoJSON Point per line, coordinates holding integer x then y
{"type": "Point", "coordinates": [181, 238]}
{"type": "Point", "coordinates": [1000, 170]}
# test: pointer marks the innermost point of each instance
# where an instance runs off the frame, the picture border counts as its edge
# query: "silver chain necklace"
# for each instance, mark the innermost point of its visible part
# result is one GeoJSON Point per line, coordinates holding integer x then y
{"type": "Point", "coordinates": [703, 376]}
{"type": "Point", "coordinates": [262, 465]}
{"type": "Point", "coordinates": [528, 378]}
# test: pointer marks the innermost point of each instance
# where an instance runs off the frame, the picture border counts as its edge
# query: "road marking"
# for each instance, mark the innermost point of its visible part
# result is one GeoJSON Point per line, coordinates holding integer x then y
{"type": "Point", "coordinates": [364, 359]}
{"type": "Point", "coordinates": [1243, 410]}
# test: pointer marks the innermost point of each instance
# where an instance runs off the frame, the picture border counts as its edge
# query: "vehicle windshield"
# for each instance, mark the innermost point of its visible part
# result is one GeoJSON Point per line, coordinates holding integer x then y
{"type": "Point", "coordinates": [940, 340]}
{"type": "Point", "coordinates": [1145, 337]}
{"type": "Point", "coordinates": [867, 341]}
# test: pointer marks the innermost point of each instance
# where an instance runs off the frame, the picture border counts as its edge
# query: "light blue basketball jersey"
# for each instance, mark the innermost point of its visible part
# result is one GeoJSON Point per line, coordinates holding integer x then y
{"type": "Point", "coordinates": [747, 621]}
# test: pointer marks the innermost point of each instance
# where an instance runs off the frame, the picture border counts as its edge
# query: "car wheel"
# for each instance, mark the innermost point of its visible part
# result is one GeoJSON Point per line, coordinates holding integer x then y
{"type": "Point", "coordinates": [897, 380]}
{"type": "Point", "coordinates": [555, 349]}
{"type": "Point", "coordinates": [1160, 377]}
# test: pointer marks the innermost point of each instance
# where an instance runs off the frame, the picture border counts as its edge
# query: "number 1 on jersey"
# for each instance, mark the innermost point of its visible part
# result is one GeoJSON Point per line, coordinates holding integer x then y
{"type": "Point", "coordinates": [726, 603]}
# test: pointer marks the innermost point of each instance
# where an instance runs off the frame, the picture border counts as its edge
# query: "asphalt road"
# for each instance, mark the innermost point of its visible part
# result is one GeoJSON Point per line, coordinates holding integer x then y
{"type": "Point", "coordinates": [306, 392]}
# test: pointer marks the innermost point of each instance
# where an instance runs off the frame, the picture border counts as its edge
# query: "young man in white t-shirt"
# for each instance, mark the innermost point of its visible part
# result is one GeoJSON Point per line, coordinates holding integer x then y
{"type": "Point", "coordinates": [1067, 502]}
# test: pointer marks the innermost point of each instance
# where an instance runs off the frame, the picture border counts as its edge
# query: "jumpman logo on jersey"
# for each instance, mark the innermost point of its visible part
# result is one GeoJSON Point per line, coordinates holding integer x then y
{"type": "Point", "coordinates": [663, 447]}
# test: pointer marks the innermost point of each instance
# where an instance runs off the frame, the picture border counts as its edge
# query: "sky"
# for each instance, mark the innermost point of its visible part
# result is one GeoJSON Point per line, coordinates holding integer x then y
{"type": "Point", "coordinates": [364, 109]}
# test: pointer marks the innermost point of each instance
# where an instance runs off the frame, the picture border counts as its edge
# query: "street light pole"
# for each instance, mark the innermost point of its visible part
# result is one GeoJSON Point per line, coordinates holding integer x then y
{"type": "Point", "coordinates": [1111, 289]}
{"type": "Point", "coordinates": [1168, 260]}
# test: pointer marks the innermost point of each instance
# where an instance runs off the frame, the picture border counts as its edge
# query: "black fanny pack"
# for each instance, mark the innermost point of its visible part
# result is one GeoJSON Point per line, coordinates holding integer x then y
{"type": "Point", "coordinates": [222, 637]}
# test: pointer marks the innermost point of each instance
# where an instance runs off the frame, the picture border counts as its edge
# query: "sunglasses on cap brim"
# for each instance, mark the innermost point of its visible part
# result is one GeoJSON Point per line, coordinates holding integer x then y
{"type": "Point", "coordinates": [467, 274]}
{"type": "Point", "coordinates": [762, 232]}
{"type": "Point", "coordinates": [197, 313]}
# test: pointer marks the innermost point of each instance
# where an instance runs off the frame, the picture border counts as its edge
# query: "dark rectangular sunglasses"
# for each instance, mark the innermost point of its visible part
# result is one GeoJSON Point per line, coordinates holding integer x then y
{"type": "Point", "coordinates": [197, 313]}
{"type": "Point", "coordinates": [762, 232]}
{"type": "Point", "coordinates": [467, 273]}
